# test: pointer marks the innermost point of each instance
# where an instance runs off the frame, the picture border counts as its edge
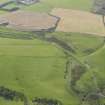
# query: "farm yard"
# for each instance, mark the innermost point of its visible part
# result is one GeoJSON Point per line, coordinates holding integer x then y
{"type": "Point", "coordinates": [52, 53]}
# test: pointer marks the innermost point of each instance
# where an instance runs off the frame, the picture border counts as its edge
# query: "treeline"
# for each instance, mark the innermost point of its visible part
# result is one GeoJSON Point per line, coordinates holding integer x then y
{"type": "Point", "coordinates": [45, 101]}
{"type": "Point", "coordinates": [12, 95]}
{"type": "Point", "coordinates": [9, 94]}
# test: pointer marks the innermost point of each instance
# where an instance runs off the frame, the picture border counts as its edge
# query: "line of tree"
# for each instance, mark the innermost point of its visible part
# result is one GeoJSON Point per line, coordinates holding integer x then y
{"type": "Point", "coordinates": [9, 94]}
{"type": "Point", "coordinates": [45, 101]}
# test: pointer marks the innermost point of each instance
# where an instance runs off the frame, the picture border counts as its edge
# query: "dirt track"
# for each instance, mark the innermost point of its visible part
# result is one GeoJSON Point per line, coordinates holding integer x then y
{"type": "Point", "coordinates": [79, 21]}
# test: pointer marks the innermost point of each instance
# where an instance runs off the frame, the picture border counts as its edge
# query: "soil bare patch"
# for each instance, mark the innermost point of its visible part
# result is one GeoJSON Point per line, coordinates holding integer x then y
{"type": "Point", "coordinates": [79, 21]}
{"type": "Point", "coordinates": [30, 21]}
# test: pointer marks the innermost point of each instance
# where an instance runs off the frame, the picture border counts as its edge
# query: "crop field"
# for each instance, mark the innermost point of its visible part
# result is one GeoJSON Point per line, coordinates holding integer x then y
{"type": "Point", "coordinates": [79, 21]}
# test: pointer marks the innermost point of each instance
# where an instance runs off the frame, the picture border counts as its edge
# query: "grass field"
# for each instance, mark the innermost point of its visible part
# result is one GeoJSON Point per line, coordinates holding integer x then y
{"type": "Point", "coordinates": [97, 59]}
{"type": "Point", "coordinates": [48, 5]}
{"type": "Point", "coordinates": [29, 65]}
{"type": "Point", "coordinates": [25, 66]}
{"type": "Point", "coordinates": [81, 42]}
{"type": "Point", "coordinates": [37, 67]}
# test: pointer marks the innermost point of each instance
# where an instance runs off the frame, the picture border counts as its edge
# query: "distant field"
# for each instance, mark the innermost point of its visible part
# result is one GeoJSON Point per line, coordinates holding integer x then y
{"type": "Point", "coordinates": [48, 5]}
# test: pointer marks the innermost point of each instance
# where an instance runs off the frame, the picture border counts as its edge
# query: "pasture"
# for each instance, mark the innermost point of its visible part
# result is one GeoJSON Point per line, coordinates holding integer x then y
{"type": "Point", "coordinates": [28, 65]}
{"type": "Point", "coordinates": [34, 68]}
{"type": "Point", "coordinates": [48, 5]}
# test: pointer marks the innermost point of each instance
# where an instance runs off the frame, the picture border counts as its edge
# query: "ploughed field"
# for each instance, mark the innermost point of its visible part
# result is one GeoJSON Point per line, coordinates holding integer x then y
{"type": "Point", "coordinates": [79, 21]}
{"type": "Point", "coordinates": [31, 21]}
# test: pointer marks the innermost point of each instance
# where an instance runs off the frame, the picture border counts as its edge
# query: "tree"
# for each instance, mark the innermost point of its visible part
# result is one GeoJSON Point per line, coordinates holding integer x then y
{"type": "Point", "coordinates": [99, 8]}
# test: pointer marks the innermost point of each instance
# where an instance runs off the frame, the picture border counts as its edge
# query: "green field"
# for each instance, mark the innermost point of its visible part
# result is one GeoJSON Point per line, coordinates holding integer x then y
{"type": "Point", "coordinates": [36, 67]}
{"type": "Point", "coordinates": [97, 59]}
{"type": "Point", "coordinates": [48, 5]}
{"type": "Point", "coordinates": [84, 44]}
